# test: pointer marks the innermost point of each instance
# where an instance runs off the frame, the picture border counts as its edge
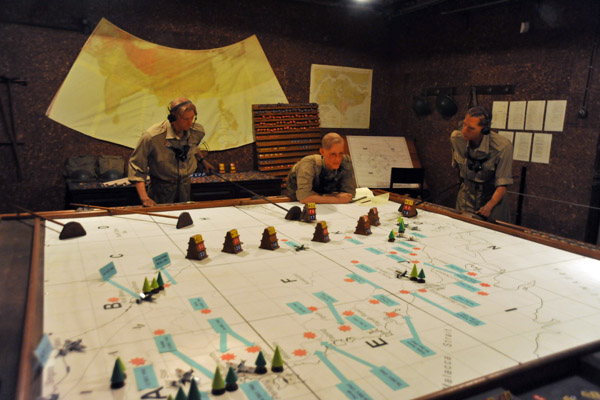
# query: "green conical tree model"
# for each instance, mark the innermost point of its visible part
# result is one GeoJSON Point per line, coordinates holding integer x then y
{"type": "Point", "coordinates": [231, 380]}
{"type": "Point", "coordinates": [277, 362]}
{"type": "Point", "coordinates": [161, 282]}
{"type": "Point", "coordinates": [218, 384]}
{"type": "Point", "coordinates": [422, 275]}
{"type": "Point", "coordinates": [146, 288]}
{"type": "Point", "coordinates": [392, 236]}
{"type": "Point", "coordinates": [117, 380]}
{"type": "Point", "coordinates": [122, 365]}
{"type": "Point", "coordinates": [260, 364]}
{"type": "Point", "coordinates": [401, 227]}
{"type": "Point", "coordinates": [414, 273]}
{"type": "Point", "coordinates": [180, 394]}
{"type": "Point", "coordinates": [194, 393]}
{"type": "Point", "coordinates": [154, 286]}
{"type": "Point", "coordinates": [170, 397]}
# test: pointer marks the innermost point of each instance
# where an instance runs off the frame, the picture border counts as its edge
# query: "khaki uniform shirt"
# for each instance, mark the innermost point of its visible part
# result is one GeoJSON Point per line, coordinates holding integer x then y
{"type": "Point", "coordinates": [154, 155]}
{"type": "Point", "coordinates": [304, 179]}
{"type": "Point", "coordinates": [482, 169]}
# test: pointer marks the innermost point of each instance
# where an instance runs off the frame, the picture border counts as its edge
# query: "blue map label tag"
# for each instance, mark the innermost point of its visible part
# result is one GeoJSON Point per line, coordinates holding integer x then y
{"type": "Point", "coordinates": [469, 319]}
{"type": "Point", "coordinates": [351, 240]}
{"type": "Point", "coordinates": [145, 377]}
{"type": "Point", "coordinates": [353, 391]}
{"type": "Point", "coordinates": [161, 260]}
{"type": "Point", "coordinates": [360, 322]}
{"type": "Point", "coordinates": [464, 300]}
{"type": "Point", "coordinates": [165, 343]}
{"type": "Point", "coordinates": [299, 308]}
{"type": "Point", "coordinates": [108, 271]}
{"type": "Point", "coordinates": [325, 297]}
{"type": "Point", "coordinates": [365, 268]}
{"type": "Point", "coordinates": [396, 257]}
{"type": "Point", "coordinates": [418, 347]}
{"type": "Point", "coordinates": [255, 391]}
{"type": "Point", "coordinates": [386, 300]}
{"type": "Point", "coordinates": [419, 235]}
{"type": "Point", "coordinates": [219, 325]}
{"type": "Point", "coordinates": [467, 278]}
{"type": "Point", "coordinates": [402, 250]}
{"type": "Point", "coordinates": [43, 350]}
{"type": "Point", "coordinates": [456, 268]}
{"type": "Point", "coordinates": [198, 303]}
{"type": "Point", "coordinates": [463, 285]}
{"type": "Point", "coordinates": [407, 244]}
{"type": "Point", "coordinates": [374, 250]}
{"type": "Point", "coordinates": [389, 378]}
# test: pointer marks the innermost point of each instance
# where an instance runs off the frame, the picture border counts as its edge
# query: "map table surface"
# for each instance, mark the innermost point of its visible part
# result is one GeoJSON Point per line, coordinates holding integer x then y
{"type": "Point", "coordinates": [346, 326]}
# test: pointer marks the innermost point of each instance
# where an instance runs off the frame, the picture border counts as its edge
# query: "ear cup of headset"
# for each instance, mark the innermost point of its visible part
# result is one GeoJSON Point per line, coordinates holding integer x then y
{"type": "Point", "coordinates": [487, 123]}
{"type": "Point", "coordinates": [171, 117]}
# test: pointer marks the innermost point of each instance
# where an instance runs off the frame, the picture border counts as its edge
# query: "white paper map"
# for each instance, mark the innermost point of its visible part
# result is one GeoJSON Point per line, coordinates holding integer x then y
{"type": "Point", "coordinates": [373, 158]}
{"type": "Point", "coordinates": [346, 326]}
{"type": "Point", "coordinates": [343, 95]}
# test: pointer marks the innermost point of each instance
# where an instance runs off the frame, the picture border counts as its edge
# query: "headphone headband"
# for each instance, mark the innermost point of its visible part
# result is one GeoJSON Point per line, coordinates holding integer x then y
{"type": "Point", "coordinates": [171, 110]}
{"type": "Point", "coordinates": [172, 117]}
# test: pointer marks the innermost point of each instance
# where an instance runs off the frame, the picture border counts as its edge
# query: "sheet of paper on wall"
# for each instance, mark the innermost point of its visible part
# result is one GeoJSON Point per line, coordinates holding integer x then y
{"type": "Point", "coordinates": [555, 115]}
{"type": "Point", "coordinates": [507, 134]}
{"type": "Point", "coordinates": [540, 151]}
{"type": "Point", "coordinates": [516, 115]}
{"type": "Point", "coordinates": [374, 156]}
{"type": "Point", "coordinates": [522, 146]}
{"type": "Point", "coordinates": [534, 119]}
{"type": "Point", "coordinates": [499, 113]}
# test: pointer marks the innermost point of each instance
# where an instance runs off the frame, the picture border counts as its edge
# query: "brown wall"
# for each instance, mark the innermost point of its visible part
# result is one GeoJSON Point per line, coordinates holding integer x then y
{"type": "Point", "coordinates": [407, 54]}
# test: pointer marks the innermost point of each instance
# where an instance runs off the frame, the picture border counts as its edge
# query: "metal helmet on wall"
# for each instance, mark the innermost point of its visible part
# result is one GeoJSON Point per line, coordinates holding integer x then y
{"type": "Point", "coordinates": [445, 105]}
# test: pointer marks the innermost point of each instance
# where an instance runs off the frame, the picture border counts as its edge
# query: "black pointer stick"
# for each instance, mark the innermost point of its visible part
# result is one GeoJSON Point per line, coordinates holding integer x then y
{"type": "Point", "coordinates": [292, 214]}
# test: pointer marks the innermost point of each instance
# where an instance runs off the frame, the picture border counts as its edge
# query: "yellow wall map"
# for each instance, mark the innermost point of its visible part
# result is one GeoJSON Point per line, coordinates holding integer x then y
{"type": "Point", "coordinates": [343, 94]}
{"type": "Point", "coordinates": [120, 85]}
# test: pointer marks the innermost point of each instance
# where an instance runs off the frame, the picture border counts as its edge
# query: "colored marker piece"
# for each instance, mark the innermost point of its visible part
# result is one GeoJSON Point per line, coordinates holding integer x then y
{"type": "Point", "coordinates": [180, 394]}
{"type": "Point", "coordinates": [231, 380]}
{"type": "Point", "coordinates": [218, 384]}
{"type": "Point", "coordinates": [194, 393]}
{"type": "Point", "coordinates": [260, 364]}
{"type": "Point", "coordinates": [117, 380]}
{"type": "Point", "coordinates": [277, 362]}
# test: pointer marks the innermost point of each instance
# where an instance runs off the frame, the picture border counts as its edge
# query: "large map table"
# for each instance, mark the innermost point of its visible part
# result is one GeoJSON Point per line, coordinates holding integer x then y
{"type": "Point", "coordinates": [346, 324]}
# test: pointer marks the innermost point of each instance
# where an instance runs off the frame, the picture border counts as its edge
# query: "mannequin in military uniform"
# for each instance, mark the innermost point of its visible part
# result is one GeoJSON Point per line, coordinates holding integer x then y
{"type": "Point", "coordinates": [484, 161]}
{"type": "Point", "coordinates": [168, 152]}
{"type": "Point", "coordinates": [327, 177]}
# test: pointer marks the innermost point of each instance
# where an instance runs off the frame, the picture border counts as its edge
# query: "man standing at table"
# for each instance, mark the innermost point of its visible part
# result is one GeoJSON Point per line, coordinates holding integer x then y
{"type": "Point", "coordinates": [168, 152]}
{"type": "Point", "coordinates": [327, 177]}
{"type": "Point", "coordinates": [484, 162]}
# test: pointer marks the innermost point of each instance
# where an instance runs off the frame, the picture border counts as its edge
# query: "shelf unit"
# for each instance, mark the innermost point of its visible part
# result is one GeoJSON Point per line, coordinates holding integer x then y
{"type": "Point", "coordinates": [284, 134]}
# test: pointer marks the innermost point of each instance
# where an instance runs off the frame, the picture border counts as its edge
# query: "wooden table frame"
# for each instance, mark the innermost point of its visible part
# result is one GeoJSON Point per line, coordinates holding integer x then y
{"type": "Point", "coordinates": [555, 365]}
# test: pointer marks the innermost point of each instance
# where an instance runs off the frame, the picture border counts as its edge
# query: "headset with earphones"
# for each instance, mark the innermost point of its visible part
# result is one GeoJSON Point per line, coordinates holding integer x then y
{"type": "Point", "coordinates": [172, 117]}
{"type": "Point", "coordinates": [484, 116]}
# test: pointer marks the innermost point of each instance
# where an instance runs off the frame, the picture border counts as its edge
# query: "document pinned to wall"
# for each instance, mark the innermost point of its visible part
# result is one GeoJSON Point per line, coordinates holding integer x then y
{"type": "Point", "coordinates": [499, 113]}
{"type": "Point", "coordinates": [374, 156]}
{"type": "Point", "coordinates": [534, 119]}
{"type": "Point", "coordinates": [540, 152]}
{"type": "Point", "coordinates": [516, 115]}
{"type": "Point", "coordinates": [522, 146]}
{"type": "Point", "coordinates": [507, 134]}
{"type": "Point", "coordinates": [555, 115]}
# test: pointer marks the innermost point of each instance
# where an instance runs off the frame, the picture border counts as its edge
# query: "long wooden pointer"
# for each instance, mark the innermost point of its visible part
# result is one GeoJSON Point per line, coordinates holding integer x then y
{"type": "Point", "coordinates": [183, 220]}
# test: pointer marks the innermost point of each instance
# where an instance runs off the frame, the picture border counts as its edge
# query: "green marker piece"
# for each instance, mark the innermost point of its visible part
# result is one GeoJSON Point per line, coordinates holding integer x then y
{"type": "Point", "coordinates": [218, 384]}
{"type": "Point", "coordinates": [277, 362]}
